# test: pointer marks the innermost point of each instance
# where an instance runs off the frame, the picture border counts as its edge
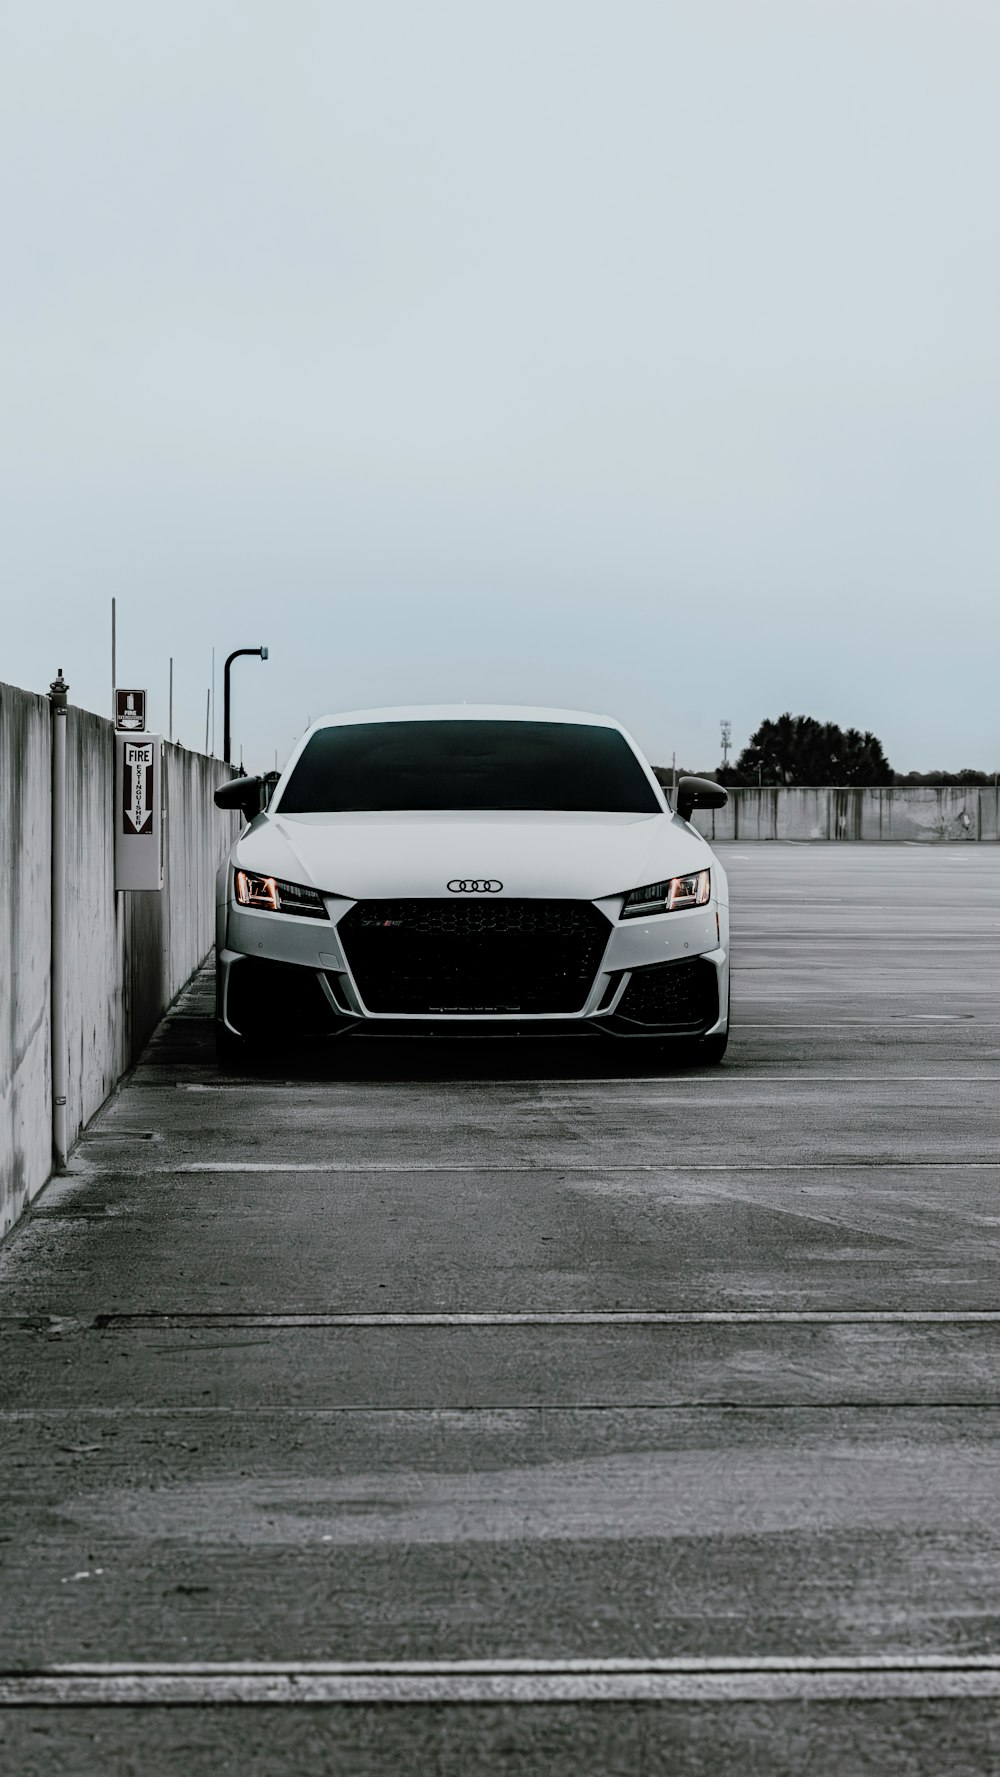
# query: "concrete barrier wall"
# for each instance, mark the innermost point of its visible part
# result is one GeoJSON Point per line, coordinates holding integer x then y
{"type": "Point", "coordinates": [923, 813]}
{"type": "Point", "coordinates": [128, 954]}
{"type": "Point", "coordinates": [25, 893]}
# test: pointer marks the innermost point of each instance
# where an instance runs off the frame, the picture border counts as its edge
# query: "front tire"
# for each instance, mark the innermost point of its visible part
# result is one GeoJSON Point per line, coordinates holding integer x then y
{"type": "Point", "coordinates": [712, 1049]}
{"type": "Point", "coordinates": [230, 1050]}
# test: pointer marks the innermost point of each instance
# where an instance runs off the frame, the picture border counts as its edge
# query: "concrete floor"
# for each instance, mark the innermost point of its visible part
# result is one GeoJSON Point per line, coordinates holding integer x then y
{"type": "Point", "coordinates": [735, 1412]}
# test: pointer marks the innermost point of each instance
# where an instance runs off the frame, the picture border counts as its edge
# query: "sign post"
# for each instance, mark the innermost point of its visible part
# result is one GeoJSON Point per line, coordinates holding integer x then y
{"type": "Point", "coordinates": [138, 811]}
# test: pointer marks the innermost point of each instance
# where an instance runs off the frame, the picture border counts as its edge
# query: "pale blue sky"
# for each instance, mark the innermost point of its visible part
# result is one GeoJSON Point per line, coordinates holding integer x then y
{"type": "Point", "coordinates": [637, 357]}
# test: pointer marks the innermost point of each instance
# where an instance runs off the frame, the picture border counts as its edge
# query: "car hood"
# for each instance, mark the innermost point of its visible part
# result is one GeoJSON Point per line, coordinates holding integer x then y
{"type": "Point", "coordinates": [380, 855]}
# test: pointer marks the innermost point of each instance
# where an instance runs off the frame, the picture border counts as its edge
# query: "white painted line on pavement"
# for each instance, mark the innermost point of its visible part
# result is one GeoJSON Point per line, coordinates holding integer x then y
{"type": "Point", "coordinates": [516, 1409]}
{"type": "Point", "coordinates": [538, 1082]}
{"type": "Point", "coordinates": [677, 1663]}
{"type": "Point", "coordinates": [507, 1681]}
{"type": "Point", "coordinates": [629, 1317]}
{"type": "Point", "coordinates": [359, 1167]}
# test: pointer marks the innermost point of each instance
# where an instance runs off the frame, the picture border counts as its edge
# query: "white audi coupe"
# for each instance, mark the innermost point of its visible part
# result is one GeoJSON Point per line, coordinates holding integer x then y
{"type": "Point", "coordinates": [467, 870]}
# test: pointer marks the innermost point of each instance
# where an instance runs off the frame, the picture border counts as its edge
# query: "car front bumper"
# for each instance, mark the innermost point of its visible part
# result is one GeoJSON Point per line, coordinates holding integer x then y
{"type": "Point", "coordinates": [282, 978]}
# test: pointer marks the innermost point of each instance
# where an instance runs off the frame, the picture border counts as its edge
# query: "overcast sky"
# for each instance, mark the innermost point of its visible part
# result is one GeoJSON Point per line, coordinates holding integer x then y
{"type": "Point", "coordinates": [640, 357]}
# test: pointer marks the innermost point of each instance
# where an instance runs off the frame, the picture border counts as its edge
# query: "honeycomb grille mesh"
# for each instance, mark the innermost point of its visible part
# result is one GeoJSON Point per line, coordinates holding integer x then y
{"type": "Point", "coordinates": [681, 996]}
{"type": "Point", "coordinates": [483, 955]}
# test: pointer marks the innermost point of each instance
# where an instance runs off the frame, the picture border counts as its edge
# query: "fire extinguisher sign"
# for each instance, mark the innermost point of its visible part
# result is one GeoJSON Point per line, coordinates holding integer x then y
{"type": "Point", "coordinates": [130, 711]}
{"type": "Point", "coordinates": [139, 811]}
{"type": "Point", "coordinates": [137, 787]}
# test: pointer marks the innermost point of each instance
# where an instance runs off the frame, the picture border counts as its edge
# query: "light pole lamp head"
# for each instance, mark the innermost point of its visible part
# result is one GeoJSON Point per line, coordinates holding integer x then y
{"type": "Point", "coordinates": [263, 653]}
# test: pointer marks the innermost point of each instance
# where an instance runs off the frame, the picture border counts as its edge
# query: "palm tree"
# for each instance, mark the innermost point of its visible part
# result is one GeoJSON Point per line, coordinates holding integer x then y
{"type": "Point", "coordinates": [800, 750]}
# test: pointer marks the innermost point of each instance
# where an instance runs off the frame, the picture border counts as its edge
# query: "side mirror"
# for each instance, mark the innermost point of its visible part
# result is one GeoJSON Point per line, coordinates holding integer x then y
{"type": "Point", "coordinates": [243, 793]}
{"type": "Point", "coordinates": [699, 792]}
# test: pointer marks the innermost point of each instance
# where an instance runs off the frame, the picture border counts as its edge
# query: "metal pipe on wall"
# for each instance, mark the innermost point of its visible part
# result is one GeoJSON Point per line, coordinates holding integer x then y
{"type": "Point", "coordinates": [58, 694]}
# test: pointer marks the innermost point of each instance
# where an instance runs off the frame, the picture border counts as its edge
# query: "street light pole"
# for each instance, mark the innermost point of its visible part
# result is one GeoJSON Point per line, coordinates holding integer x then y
{"type": "Point", "coordinates": [235, 655]}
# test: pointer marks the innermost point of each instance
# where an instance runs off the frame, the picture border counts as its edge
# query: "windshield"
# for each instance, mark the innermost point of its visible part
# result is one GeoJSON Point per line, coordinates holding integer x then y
{"type": "Point", "coordinates": [468, 765]}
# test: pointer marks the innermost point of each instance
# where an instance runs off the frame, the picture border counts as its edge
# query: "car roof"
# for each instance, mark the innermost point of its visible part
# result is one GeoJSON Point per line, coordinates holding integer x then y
{"type": "Point", "coordinates": [466, 712]}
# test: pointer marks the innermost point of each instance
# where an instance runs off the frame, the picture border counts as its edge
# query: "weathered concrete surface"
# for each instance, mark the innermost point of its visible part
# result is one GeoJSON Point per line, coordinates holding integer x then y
{"type": "Point", "coordinates": [25, 892]}
{"type": "Point", "coordinates": [191, 1475]}
{"type": "Point", "coordinates": [914, 813]}
{"type": "Point", "coordinates": [129, 954]}
{"type": "Point", "coordinates": [925, 1739]}
{"type": "Point", "coordinates": [132, 953]}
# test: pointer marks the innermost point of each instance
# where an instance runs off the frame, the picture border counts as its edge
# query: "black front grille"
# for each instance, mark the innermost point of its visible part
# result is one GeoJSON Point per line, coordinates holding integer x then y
{"type": "Point", "coordinates": [680, 996]}
{"type": "Point", "coordinates": [482, 955]}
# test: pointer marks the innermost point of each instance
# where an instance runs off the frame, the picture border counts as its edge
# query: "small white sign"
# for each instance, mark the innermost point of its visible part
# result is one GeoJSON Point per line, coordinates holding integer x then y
{"type": "Point", "coordinates": [138, 786]}
{"type": "Point", "coordinates": [138, 805]}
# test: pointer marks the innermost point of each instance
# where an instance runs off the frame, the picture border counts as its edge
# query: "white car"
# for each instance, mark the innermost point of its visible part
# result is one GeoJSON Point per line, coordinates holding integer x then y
{"type": "Point", "coordinates": [470, 869]}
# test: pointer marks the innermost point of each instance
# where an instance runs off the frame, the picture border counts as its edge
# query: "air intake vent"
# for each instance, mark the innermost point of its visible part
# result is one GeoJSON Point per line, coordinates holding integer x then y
{"type": "Point", "coordinates": [682, 997]}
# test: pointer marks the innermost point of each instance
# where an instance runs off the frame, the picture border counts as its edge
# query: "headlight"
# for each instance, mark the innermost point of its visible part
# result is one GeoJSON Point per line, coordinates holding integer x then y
{"type": "Point", "coordinates": [668, 897]}
{"type": "Point", "coordinates": [278, 896]}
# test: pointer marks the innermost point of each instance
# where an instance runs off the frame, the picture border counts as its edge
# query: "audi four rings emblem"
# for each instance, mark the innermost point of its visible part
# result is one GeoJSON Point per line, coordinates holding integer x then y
{"type": "Point", "coordinates": [475, 885]}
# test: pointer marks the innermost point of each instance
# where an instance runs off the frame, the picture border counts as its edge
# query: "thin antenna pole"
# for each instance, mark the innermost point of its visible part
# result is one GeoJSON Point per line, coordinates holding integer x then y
{"type": "Point", "coordinates": [213, 703]}
{"type": "Point", "coordinates": [208, 700]}
{"type": "Point", "coordinates": [171, 702]}
{"type": "Point", "coordinates": [673, 778]}
{"type": "Point", "coordinates": [114, 651]}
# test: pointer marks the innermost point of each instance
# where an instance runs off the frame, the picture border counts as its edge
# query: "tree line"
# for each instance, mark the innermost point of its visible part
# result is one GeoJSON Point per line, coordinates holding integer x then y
{"type": "Point", "coordinates": [794, 750]}
{"type": "Point", "coordinates": [800, 750]}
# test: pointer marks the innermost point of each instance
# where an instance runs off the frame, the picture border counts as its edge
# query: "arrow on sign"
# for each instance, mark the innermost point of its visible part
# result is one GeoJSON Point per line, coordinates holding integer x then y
{"type": "Point", "coordinates": [138, 787]}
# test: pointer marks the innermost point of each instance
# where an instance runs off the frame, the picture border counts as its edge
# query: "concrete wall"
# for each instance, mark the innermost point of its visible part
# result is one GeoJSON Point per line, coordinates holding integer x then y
{"type": "Point", "coordinates": [128, 954]}
{"type": "Point", "coordinates": [25, 888]}
{"type": "Point", "coordinates": [923, 813]}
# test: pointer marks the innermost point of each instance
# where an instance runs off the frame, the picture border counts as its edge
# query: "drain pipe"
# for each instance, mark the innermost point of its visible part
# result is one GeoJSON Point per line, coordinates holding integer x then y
{"type": "Point", "coordinates": [58, 692]}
